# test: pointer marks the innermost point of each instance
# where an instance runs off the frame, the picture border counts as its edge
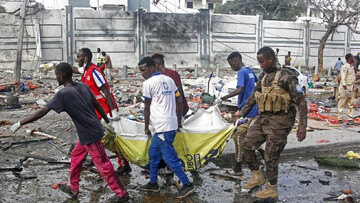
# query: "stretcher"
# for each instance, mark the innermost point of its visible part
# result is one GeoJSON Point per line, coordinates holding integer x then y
{"type": "Point", "coordinates": [201, 140]}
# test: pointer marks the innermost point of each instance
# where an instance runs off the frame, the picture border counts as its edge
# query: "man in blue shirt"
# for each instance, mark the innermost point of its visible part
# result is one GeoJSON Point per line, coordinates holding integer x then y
{"type": "Point", "coordinates": [338, 65]}
{"type": "Point", "coordinates": [246, 80]}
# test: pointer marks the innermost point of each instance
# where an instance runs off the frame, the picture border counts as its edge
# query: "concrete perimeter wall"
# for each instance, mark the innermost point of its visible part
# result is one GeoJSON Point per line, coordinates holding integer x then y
{"type": "Point", "coordinates": [185, 39]}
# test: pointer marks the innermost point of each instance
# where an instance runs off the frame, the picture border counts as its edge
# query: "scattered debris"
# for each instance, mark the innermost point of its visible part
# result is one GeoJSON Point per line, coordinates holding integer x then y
{"type": "Point", "coordinates": [24, 142]}
{"type": "Point", "coordinates": [322, 141]}
{"type": "Point", "coordinates": [352, 155]}
{"type": "Point", "coordinates": [307, 182]}
{"type": "Point", "coordinates": [35, 132]}
{"type": "Point", "coordinates": [5, 122]}
{"type": "Point", "coordinates": [17, 169]}
{"type": "Point", "coordinates": [238, 178]}
{"type": "Point", "coordinates": [3, 136]}
{"type": "Point", "coordinates": [323, 182]}
{"type": "Point", "coordinates": [305, 167]}
{"type": "Point", "coordinates": [328, 173]}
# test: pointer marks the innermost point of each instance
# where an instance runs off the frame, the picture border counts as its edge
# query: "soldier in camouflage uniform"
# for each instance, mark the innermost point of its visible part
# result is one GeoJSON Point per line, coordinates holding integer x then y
{"type": "Point", "coordinates": [276, 95]}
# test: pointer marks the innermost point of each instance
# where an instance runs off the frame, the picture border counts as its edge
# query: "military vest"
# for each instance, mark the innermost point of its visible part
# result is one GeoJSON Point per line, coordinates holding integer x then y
{"type": "Point", "coordinates": [272, 98]}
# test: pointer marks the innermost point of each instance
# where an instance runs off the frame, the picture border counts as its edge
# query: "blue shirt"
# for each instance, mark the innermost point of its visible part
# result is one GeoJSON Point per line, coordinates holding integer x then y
{"type": "Point", "coordinates": [76, 99]}
{"type": "Point", "coordinates": [246, 78]}
{"type": "Point", "coordinates": [339, 64]}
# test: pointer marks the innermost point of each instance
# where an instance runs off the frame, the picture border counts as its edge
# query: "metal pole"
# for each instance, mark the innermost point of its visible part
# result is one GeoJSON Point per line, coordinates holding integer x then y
{"type": "Point", "coordinates": [348, 40]}
{"type": "Point", "coordinates": [217, 70]}
{"type": "Point", "coordinates": [307, 43]}
{"type": "Point", "coordinates": [17, 68]}
{"type": "Point", "coordinates": [260, 30]}
{"type": "Point", "coordinates": [71, 35]}
{"type": "Point", "coordinates": [174, 67]}
{"type": "Point", "coordinates": [205, 38]}
{"type": "Point", "coordinates": [140, 33]}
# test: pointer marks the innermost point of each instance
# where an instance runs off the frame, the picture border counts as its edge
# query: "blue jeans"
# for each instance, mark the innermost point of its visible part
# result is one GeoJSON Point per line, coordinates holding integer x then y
{"type": "Point", "coordinates": [161, 148]}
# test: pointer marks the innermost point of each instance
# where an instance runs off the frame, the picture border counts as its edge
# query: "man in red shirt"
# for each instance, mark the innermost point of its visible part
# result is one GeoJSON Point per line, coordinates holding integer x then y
{"type": "Point", "coordinates": [160, 66]}
{"type": "Point", "coordinates": [94, 79]}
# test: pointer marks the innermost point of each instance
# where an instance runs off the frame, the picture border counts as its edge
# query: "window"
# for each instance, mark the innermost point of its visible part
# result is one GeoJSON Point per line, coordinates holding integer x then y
{"type": "Point", "coordinates": [189, 4]}
{"type": "Point", "coordinates": [211, 6]}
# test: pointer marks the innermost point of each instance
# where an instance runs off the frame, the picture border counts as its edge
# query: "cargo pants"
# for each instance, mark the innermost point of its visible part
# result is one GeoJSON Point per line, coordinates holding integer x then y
{"type": "Point", "coordinates": [238, 139]}
{"type": "Point", "coordinates": [346, 101]}
{"type": "Point", "coordinates": [275, 138]}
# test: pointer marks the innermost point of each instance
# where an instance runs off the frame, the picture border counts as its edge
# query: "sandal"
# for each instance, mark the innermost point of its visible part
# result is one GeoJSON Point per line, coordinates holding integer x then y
{"type": "Point", "coordinates": [66, 189]}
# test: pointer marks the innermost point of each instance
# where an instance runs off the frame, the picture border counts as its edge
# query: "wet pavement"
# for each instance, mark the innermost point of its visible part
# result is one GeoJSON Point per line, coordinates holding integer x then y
{"type": "Point", "coordinates": [33, 184]}
{"type": "Point", "coordinates": [299, 181]}
{"type": "Point", "coordinates": [300, 178]}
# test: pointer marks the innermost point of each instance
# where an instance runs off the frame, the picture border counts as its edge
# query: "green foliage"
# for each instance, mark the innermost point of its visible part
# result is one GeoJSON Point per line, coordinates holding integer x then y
{"type": "Point", "coordinates": [337, 161]}
{"type": "Point", "coordinates": [271, 9]}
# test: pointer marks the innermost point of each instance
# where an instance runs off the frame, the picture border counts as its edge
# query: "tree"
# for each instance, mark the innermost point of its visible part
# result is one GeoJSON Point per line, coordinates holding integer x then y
{"type": "Point", "coordinates": [335, 13]}
{"type": "Point", "coordinates": [271, 9]}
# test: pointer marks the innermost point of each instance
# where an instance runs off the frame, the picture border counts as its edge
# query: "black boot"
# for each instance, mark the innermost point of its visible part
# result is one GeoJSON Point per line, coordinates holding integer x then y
{"type": "Point", "coordinates": [124, 170]}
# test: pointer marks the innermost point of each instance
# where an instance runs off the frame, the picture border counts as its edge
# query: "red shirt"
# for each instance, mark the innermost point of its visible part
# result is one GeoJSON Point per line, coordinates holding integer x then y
{"type": "Point", "coordinates": [88, 79]}
{"type": "Point", "coordinates": [176, 77]}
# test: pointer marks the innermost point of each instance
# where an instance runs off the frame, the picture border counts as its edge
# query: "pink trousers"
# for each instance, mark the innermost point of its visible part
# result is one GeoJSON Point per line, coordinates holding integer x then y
{"type": "Point", "coordinates": [102, 163]}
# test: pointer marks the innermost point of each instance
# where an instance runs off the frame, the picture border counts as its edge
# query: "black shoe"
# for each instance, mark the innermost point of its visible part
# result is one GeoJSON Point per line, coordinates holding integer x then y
{"type": "Point", "coordinates": [186, 190]}
{"type": "Point", "coordinates": [150, 187]}
{"type": "Point", "coordinates": [238, 169]}
{"type": "Point", "coordinates": [124, 170]}
{"type": "Point", "coordinates": [116, 198]}
{"type": "Point", "coordinates": [66, 189]}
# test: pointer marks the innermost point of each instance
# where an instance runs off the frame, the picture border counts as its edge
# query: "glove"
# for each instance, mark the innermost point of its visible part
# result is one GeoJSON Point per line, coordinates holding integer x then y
{"type": "Point", "coordinates": [15, 127]}
{"type": "Point", "coordinates": [218, 101]}
{"type": "Point", "coordinates": [109, 128]}
{"type": "Point", "coordinates": [241, 120]}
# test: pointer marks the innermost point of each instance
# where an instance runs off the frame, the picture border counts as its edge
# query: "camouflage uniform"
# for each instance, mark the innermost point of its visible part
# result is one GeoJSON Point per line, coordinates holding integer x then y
{"type": "Point", "coordinates": [273, 128]}
{"type": "Point", "coordinates": [238, 139]}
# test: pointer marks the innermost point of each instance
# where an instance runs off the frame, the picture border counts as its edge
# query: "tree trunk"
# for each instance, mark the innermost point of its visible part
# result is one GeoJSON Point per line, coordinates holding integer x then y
{"type": "Point", "coordinates": [322, 46]}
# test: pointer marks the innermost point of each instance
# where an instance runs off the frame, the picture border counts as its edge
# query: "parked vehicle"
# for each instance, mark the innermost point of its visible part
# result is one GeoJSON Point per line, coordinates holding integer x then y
{"type": "Point", "coordinates": [231, 86]}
